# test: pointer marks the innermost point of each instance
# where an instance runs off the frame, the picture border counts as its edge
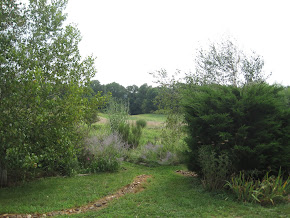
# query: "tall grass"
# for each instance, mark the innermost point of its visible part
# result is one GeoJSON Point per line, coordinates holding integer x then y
{"type": "Point", "coordinates": [269, 190]}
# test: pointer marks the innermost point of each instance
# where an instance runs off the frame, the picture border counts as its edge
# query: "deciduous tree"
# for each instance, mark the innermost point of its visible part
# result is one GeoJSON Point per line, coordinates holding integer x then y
{"type": "Point", "coordinates": [225, 64]}
{"type": "Point", "coordinates": [43, 81]}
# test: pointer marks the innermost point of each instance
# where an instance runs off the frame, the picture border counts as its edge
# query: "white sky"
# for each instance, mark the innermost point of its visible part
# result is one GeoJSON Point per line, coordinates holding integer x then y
{"type": "Point", "coordinates": [131, 38]}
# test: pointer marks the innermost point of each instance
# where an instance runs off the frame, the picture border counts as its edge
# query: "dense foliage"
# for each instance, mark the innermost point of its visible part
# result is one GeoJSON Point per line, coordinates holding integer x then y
{"type": "Point", "coordinates": [249, 124]}
{"type": "Point", "coordinates": [43, 82]}
{"type": "Point", "coordinates": [141, 99]}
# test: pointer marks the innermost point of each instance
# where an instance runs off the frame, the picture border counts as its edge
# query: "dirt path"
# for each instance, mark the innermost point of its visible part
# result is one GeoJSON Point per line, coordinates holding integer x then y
{"type": "Point", "coordinates": [134, 187]}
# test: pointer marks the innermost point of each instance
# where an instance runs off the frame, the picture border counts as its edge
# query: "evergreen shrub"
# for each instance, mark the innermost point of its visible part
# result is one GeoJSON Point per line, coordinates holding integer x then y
{"type": "Point", "coordinates": [250, 124]}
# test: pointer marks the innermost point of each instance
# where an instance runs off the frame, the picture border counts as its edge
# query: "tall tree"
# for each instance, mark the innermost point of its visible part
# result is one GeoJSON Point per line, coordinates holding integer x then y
{"type": "Point", "coordinates": [117, 90]}
{"type": "Point", "coordinates": [43, 81]}
{"type": "Point", "coordinates": [97, 86]}
{"type": "Point", "coordinates": [224, 63]}
{"type": "Point", "coordinates": [132, 96]}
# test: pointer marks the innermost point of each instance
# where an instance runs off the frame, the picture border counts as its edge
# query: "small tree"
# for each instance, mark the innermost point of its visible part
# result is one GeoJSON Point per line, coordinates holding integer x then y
{"type": "Point", "coordinates": [92, 104]}
{"type": "Point", "coordinates": [168, 101]}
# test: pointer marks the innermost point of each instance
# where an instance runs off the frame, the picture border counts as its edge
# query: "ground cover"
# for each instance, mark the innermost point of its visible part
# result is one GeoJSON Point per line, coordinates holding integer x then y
{"type": "Point", "coordinates": [167, 193]}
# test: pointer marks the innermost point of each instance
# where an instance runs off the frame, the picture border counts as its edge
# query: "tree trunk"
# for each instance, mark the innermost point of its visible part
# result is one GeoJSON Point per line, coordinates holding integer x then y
{"type": "Point", "coordinates": [3, 177]}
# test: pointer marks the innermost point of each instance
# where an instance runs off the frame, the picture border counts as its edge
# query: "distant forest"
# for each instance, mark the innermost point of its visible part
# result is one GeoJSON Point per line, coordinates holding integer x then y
{"type": "Point", "coordinates": [141, 99]}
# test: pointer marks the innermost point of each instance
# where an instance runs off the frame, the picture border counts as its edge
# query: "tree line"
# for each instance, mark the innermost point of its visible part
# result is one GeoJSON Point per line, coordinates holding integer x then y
{"type": "Point", "coordinates": [141, 100]}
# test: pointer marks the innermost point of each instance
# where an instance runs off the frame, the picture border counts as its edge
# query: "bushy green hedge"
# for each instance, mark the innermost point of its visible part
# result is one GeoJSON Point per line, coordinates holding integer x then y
{"type": "Point", "coordinates": [250, 124]}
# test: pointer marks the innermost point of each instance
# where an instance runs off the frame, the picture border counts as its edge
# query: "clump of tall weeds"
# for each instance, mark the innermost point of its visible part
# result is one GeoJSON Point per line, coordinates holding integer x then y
{"type": "Point", "coordinates": [270, 190]}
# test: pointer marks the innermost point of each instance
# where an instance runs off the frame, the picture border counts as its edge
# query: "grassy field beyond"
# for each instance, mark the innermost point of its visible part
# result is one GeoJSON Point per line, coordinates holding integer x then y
{"type": "Point", "coordinates": [167, 194]}
{"type": "Point", "coordinates": [148, 117]}
{"type": "Point", "coordinates": [152, 131]}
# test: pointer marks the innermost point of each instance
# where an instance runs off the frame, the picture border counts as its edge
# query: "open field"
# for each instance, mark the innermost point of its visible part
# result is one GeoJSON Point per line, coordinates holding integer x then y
{"type": "Point", "coordinates": [153, 120]}
{"type": "Point", "coordinates": [166, 194]}
{"type": "Point", "coordinates": [152, 131]}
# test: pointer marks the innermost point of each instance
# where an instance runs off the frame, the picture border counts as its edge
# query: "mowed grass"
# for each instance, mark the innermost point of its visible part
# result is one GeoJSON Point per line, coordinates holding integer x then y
{"type": "Point", "coordinates": [166, 194]}
{"type": "Point", "coordinates": [148, 117]}
{"type": "Point", "coordinates": [49, 194]}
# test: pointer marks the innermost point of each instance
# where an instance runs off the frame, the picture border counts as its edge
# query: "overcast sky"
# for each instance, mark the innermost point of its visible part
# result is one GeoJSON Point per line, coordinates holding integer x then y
{"type": "Point", "coordinates": [131, 38]}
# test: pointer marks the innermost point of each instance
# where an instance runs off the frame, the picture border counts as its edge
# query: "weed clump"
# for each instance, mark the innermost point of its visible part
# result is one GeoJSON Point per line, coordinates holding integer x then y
{"type": "Point", "coordinates": [269, 190]}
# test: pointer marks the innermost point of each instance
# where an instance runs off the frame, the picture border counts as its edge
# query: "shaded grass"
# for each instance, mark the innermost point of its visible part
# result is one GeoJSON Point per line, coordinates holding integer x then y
{"type": "Point", "coordinates": [167, 194]}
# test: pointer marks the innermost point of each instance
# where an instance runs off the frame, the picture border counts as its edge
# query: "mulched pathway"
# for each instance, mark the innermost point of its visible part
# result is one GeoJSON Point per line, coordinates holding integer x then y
{"type": "Point", "coordinates": [134, 187]}
{"type": "Point", "coordinates": [186, 173]}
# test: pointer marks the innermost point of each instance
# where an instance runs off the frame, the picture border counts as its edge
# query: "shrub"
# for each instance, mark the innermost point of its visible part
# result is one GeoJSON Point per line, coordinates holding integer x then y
{"type": "Point", "coordinates": [104, 153]}
{"type": "Point", "coordinates": [136, 133]}
{"type": "Point", "coordinates": [124, 131]}
{"type": "Point", "coordinates": [215, 168]}
{"type": "Point", "coordinates": [251, 124]}
{"type": "Point", "coordinates": [141, 123]}
{"type": "Point", "coordinates": [135, 136]}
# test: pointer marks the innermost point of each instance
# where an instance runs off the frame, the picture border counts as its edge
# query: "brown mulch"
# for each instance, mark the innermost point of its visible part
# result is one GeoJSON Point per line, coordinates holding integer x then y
{"type": "Point", "coordinates": [186, 173]}
{"type": "Point", "coordinates": [134, 187]}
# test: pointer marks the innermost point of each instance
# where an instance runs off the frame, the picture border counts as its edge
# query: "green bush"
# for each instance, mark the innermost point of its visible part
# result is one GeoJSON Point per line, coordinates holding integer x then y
{"type": "Point", "coordinates": [135, 136]}
{"type": "Point", "coordinates": [124, 131]}
{"type": "Point", "coordinates": [43, 96]}
{"type": "Point", "coordinates": [250, 124]}
{"type": "Point", "coordinates": [141, 123]}
{"type": "Point", "coordinates": [43, 135]}
{"type": "Point", "coordinates": [130, 134]}
{"type": "Point", "coordinates": [215, 169]}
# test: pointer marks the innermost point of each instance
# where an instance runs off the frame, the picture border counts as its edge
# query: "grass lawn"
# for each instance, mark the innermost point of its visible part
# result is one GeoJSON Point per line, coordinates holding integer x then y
{"type": "Point", "coordinates": [149, 117]}
{"type": "Point", "coordinates": [166, 194]}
